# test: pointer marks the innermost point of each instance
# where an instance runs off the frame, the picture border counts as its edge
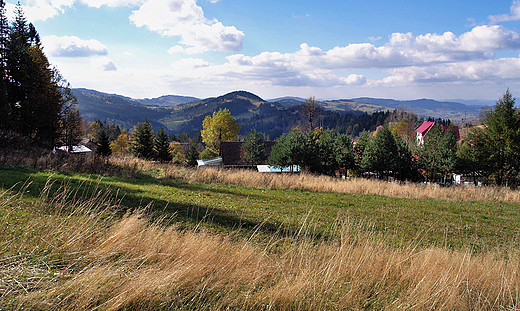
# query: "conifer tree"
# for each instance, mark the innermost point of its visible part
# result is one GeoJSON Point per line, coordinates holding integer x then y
{"type": "Point", "coordinates": [161, 146]}
{"type": "Point", "coordinates": [192, 156]}
{"type": "Point", "coordinates": [380, 154]}
{"type": "Point", "coordinates": [254, 148]}
{"type": "Point", "coordinates": [104, 149]}
{"type": "Point", "coordinates": [143, 140]}
{"type": "Point", "coordinates": [344, 152]}
{"type": "Point", "coordinates": [33, 95]}
{"type": "Point", "coordinates": [503, 132]}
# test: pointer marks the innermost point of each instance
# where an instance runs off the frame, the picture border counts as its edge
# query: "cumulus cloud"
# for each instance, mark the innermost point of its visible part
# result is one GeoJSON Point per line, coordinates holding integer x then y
{"type": "Point", "coordinates": [72, 47]}
{"type": "Point", "coordinates": [111, 3]}
{"type": "Point", "coordinates": [513, 16]}
{"type": "Point", "coordinates": [36, 10]}
{"type": "Point", "coordinates": [185, 19]}
{"type": "Point", "coordinates": [110, 66]}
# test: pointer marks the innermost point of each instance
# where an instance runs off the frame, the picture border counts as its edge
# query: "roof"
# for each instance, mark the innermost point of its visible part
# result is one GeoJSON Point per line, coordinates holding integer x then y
{"type": "Point", "coordinates": [275, 169]}
{"type": "Point", "coordinates": [425, 127]}
{"type": "Point", "coordinates": [210, 162]}
{"type": "Point", "coordinates": [76, 149]}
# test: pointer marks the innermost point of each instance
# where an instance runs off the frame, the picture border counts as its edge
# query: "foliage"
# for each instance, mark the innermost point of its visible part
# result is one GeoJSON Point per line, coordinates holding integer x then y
{"type": "Point", "coordinates": [208, 153]}
{"type": "Point", "coordinates": [34, 95]}
{"type": "Point", "coordinates": [344, 152]}
{"type": "Point", "coordinates": [143, 140]}
{"type": "Point", "coordinates": [221, 126]}
{"type": "Point", "coordinates": [122, 143]}
{"type": "Point", "coordinates": [438, 153]}
{"type": "Point", "coordinates": [503, 133]}
{"type": "Point", "coordinates": [71, 129]}
{"type": "Point", "coordinates": [176, 152]}
{"type": "Point", "coordinates": [254, 148]}
{"type": "Point", "coordinates": [289, 150]}
{"type": "Point", "coordinates": [192, 156]}
{"type": "Point", "coordinates": [103, 145]}
{"type": "Point", "coordinates": [161, 145]}
{"type": "Point", "coordinates": [380, 153]}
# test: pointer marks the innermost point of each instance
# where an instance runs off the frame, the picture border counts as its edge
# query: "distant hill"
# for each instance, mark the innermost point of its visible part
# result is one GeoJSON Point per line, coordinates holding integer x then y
{"type": "Point", "coordinates": [185, 114]}
{"type": "Point", "coordinates": [422, 107]}
{"type": "Point", "coordinates": [121, 110]}
{"type": "Point", "coordinates": [167, 100]}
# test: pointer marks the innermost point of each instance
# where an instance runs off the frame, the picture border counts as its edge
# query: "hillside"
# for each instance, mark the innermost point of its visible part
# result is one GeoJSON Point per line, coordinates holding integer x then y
{"type": "Point", "coordinates": [270, 117]}
{"type": "Point", "coordinates": [426, 107]}
{"type": "Point", "coordinates": [167, 100]}
{"type": "Point", "coordinates": [216, 240]}
{"type": "Point", "coordinates": [123, 112]}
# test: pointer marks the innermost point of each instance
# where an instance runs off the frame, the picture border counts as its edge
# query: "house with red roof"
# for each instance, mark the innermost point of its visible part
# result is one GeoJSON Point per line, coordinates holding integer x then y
{"type": "Point", "coordinates": [423, 130]}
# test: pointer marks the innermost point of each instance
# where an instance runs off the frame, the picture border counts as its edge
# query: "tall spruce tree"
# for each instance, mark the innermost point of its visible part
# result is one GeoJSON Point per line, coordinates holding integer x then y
{"type": "Point", "coordinates": [254, 148]}
{"type": "Point", "coordinates": [143, 140]}
{"type": "Point", "coordinates": [503, 132]}
{"type": "Point", "coordinates": [381, 153]}
{"type": "Point", "coordinates": [161, 147]}
{"type": "Point", "coordinates": [103, 148]}
{"type": "Point", "coordinates": [33, 95]}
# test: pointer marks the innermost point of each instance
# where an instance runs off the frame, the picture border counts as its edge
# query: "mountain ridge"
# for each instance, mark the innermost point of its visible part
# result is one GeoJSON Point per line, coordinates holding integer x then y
{"type": "Point", "coordinates": [249, 109]}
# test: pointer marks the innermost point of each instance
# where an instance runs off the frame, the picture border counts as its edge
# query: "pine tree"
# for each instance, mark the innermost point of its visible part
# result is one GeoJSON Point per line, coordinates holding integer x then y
{"type": "Point", "coordinates": [380, 154]}
{"type": "Point", "coordinates": [254, 148]}
{"type": "Point", "coordinates": [503, 133]}
{"type": "Point", "coordinates": [438, 153]}
{"type": "Point", "coordinates": [161, 146]}
{"type": "Point", "coordinates": [37, 95]}
{"type": "Point", "coordinates": [192, 156]}
{"type": "Point", "coordinates": [143, 140]}
{"type": "Point", "coordinates": [104, 149]}
{"type": "Point", "coordinates": [344, 152]}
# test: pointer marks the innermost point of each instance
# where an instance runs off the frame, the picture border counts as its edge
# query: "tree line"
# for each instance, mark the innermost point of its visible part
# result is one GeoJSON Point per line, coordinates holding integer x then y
{"type": "Point", "coordinates": [35, 100]}
{"type": "Point", "coordinates": [490, 154]}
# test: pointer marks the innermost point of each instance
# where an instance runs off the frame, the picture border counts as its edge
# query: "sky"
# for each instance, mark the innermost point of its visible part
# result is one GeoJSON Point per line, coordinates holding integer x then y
{"type": "Point", "coordinates": [444, 49]}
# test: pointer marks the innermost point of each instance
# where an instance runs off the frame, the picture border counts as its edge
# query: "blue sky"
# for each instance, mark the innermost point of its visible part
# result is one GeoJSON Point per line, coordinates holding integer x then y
{"type": "Point", "coordinates": [327, 49]}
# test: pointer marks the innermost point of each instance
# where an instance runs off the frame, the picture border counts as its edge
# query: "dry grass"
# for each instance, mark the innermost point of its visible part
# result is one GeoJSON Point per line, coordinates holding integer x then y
{"type": "Point", "coordinates": [69, 253]}
{"type": "Point", "coordinates": [354, 186]}
{"type": "Point", "coordinates": [130, 166]}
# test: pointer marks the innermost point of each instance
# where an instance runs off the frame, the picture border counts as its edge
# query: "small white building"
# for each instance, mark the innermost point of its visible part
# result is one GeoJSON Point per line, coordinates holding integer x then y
{"type": "Point", "coordinates": [79, 149]}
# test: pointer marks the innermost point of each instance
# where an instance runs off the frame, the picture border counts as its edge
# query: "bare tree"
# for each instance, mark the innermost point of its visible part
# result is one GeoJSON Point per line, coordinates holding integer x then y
{"type": "Point", "coordinates": [311, 110]}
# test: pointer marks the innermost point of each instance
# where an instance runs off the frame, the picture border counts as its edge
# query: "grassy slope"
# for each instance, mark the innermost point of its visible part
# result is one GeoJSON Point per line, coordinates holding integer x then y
{"type": "Point", "coordinates": [479, 226]}
{"type": "Point", "coordinates": [61, 250]}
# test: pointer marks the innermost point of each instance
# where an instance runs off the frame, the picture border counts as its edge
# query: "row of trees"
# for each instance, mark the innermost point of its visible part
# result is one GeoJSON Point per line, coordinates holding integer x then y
{"type": "Point", "coordinates": [490, 153]}
{"type": "Point", "coordinates": [34, 97]}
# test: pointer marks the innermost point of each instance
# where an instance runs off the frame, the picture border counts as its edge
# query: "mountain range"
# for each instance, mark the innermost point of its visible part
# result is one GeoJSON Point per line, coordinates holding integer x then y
{"type": "Point", "coordinates": [273, 117]}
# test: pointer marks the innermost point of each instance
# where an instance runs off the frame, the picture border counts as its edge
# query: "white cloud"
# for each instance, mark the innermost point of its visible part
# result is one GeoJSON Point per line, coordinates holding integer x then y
{"type": "Point", "coordinates": [111, 3]}
{"type": "Point", "coordinates": [35, 10]}
{"type": "Point", "coordinates": [72, 47]}
{"type": "Point", "coordinates": [189, 63]}
{"type": "Point", "coordinates": [110, 66]}
{"type": "Point", "coordinates": [513, 16]}
{"type": "Point", "coordinates": [184, 18]}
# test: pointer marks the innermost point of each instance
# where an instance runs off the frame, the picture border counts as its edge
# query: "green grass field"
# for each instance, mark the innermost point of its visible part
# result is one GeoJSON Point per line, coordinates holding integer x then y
{"type": "Point", "coordinates": [159, 238]}
{"type": "Point", "coordinates": [477, 226]}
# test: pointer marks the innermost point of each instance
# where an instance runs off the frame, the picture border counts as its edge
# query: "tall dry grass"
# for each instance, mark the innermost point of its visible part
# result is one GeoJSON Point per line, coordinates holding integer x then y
{"type": "Point", "coordinates": [73, 255]}
{"type": "Point", "coordinates": [126, 166]}
{"type": "Point", "coordinates": [354, 186]}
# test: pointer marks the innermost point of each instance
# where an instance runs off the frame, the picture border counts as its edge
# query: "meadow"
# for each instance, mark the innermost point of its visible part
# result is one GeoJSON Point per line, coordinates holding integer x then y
{"type": "Point", "coordinates": [137, 235]}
